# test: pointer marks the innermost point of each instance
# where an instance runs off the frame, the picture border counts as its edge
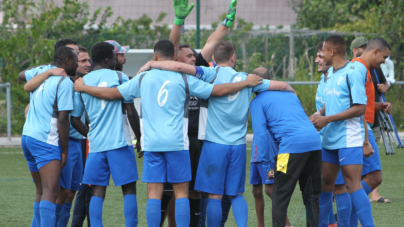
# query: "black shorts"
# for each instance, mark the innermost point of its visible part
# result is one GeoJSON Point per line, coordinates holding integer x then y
{"type": "Point", "coordinates": [195, 148]}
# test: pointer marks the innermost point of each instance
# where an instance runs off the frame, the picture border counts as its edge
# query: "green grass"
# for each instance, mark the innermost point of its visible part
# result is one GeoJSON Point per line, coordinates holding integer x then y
{"type": "Point", "coordinates": [17, 194]}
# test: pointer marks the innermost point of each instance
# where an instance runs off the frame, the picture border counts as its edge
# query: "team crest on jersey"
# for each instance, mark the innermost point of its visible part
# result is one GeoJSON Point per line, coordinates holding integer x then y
{"type": "Point", "coordinates": [340, 79]}
{"type": "Point", "coordinates": [352, 67]}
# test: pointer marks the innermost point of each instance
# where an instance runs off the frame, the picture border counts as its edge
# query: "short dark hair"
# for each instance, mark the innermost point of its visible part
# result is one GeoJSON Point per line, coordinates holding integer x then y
{"type": "Point", "coordinates": [63, 53]}
{"type": "Point", "coordinates": [101, 51]}
{"type": "Point", "coordinates": [223, 51]}
{"type": "Point", "coordinates": [320, 46]}
{"type": "Point", "coordinates": [379, 43]}
{"type": "Point", "coordinates": [82, 49]}
{"type": "Point", "coordinates": [337, 43]}
{"type": "Point", "coordinates": [64, 42]}
{"type": "Point", "coordinates": [164, 48]}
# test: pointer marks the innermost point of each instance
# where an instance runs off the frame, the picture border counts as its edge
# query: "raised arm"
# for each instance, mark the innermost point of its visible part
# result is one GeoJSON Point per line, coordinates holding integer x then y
{"type": "Point", "coordinates": [220, 33]}
{"type": "Point", "coordinates": [169, 66]}
{"type": "Point", "coordinates": [37, 80]}
{"type": "Point", "coordinates": [181, 11]}
{"type": "Point", "coordinates": [231, 88]}
{"type": "Point", "coordinates": [99, 92]}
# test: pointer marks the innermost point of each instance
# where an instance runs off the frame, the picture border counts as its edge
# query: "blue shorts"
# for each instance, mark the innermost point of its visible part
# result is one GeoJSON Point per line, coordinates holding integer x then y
{"type": "Point", "coordinates": [77, 175]}
{"type": "Point", "coordinates": [372, 163]}
{"type": "Point", "coordinates": [344, 156]}
{"type": "Point", "coordinates": [221, 169]}
{"type": "Point", "coordinates": [161, 167]}
{"type": "Point", "coordinates": [258, 174]}
{"type": "Point", "coordinates": [38, 153]}
{"type": "Point", "coordinates": [340, 179]}
{"type": "Point", "coordinates": [73, 158]}
{"type": "Point", "coordinates": [120, 163]}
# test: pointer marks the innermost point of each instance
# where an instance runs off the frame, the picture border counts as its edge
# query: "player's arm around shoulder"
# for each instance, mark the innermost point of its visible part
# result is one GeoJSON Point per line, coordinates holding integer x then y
{"type": "Point", "coordinates": [280, 86]}
{"type": "Point", "coordinates": [99, 92]}
{"type": "Point", "coordinates": [231, 88]}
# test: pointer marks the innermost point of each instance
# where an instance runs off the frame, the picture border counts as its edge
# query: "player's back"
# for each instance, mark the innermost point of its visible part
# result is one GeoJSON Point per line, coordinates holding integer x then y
{"type": "Point", "coordinates": [105, 116]}
{"type": "Point", "coordinates": [41, 122]}
{"type": "Point", "coordinates": [287, 121]}
{"type": "Point", "coordinates": [227, 115]}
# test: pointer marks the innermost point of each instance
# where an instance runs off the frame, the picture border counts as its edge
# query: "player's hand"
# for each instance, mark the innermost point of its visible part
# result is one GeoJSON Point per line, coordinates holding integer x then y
{"type": "Point", "coordinates": [231, 14]}
{"type": "Point", "coordinates": [253, 80]}
{"type": "Point", "coordinates": [387, 107]}
{"type": "Point", "coordinates": [367, 149]}
{"type": "Point", "coordinates": [139, 149]}
{"type": "Point", "coordinates": [146, 67]}
{"type": "Point", "coordinates": [271, 174]}
{"type": "Point", "coordinates": [57, 72]}
{"type": "Point", "coordinates": [382, 88]}
{"type": "Point", "coordinates": [313, 117]}
{"type": "Point", "coordinates": [79, 85]}
{"type": "Point", "coordinates": [63, 159]}
{"type": "Point", "coordinates": [181, 11]}
{"type": "Point", "coordinates": [320, 122]}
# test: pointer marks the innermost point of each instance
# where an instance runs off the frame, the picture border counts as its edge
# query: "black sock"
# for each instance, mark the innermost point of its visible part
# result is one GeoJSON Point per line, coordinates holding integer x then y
{"type": "Point", "coordinates": [164, 204]}
{"type": "Point", "coordinates": [195, 208]}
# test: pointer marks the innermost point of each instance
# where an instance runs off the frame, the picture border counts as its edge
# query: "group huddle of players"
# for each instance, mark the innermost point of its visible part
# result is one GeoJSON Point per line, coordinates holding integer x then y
{"type": "Point", "coordinates": [191, 127]}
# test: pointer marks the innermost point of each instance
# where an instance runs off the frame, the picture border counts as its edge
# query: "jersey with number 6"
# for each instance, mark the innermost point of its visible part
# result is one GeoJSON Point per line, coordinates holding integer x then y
{"type": "Point", "coordinates": [106, 122]}
{"type": "Point", "coordinates": [225, 119]}
{"type": "Point", "coordinates": [164, 112]}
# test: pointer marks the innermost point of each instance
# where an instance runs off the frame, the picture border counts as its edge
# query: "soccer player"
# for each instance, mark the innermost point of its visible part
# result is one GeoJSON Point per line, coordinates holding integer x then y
{"type": "Point", "coordinates": [223, 172]}
{"type": "Point", "coordinates": [110, 154]}
{"type": "Point", "coordinates": [258, 176]}
{"type": "Point", "coordinates": [166, 95]}
{"type": "Point", "coordinates": [343, 138]}
{"type": "Point", "coordinates": [185, 54]}
{"type": "Point", "coordinates": [71, 174]}
{"type": "Point", "coordinates": [47, 128]}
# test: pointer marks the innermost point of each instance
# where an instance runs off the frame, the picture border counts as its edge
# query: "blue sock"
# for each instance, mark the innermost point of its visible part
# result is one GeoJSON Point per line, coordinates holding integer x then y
{"type": "Point", "coordinates": [130, 210]}
{"type": "Point", "coordinates": [182, 212]}
{"type": "Point", "coordinates": [96, 211]}
{"type": "Point", "coordinates": [325, 202]}
{"type": "Point", "coordinates": [36, 219]}
{"type": "Point", "coordinates": [58, 211]}
{"type": "Point", "coordinates": [353, 222]}
{"type": "Point", "coordinates": [214, 212]}
{"type": "Point", "coordinates": [240, 210]}
{"type": "Point", "coordinates": [363, 209]}
{"type": "Point", "coordinates": [331, 217]}
{"type": "Point", "coordinates": [344, 207]}
{"type": "Point", "coordinates": [47, 211]}
{"type": "Point", "coordinates": [153, 212]}
{"type": "Point", "coordinates": [64, 215]}
{"type": "Point", "coordinates": [366, 187]}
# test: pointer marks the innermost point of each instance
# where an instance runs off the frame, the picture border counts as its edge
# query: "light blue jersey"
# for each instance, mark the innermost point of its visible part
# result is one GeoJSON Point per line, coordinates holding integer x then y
{"type": "Point", "coordinates": [29, 74]}
{"type": "Point", "coordinates": [273, 149]}
{"type": "Point", "coordinates": [320, 95]}
{"type": "Point", "coordinates": [164, 111]}
{"type": "Point", "coordinates": [345, 87]}
{"type": "Point", "coordinates": [53, 95]}
{"type": "Point", "coordinates": [106, 117]}
{"type": "Point", "coordinates": [224, 121]}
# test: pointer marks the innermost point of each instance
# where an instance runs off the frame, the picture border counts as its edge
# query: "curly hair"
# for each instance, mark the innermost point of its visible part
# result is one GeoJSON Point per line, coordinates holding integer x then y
{"type": "Point", "coordinates": [101, 51]}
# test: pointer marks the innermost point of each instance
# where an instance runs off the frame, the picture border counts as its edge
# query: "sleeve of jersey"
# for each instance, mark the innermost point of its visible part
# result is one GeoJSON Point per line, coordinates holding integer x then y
{"type": "Point", "coordinates": [78, 107]}
{"type": "Point", "coordinates": [29, 74]}
{"type": "Point", "coordinates": [206, 74]}
{"type": "Point", "coordinates": [259, 126]}
{"type": "Point", "coordinates": [358, 91]}
{"type": "Point", "coordinates": [199, 88]}
{"type": "Point", "coordinates": [130, 90]}
{"type": "Point", "coordinates": [65, 95]}
{"type": "Point", "coordinates": [262, 87]}
{"type": "Point", "coordinates": [125, 79]}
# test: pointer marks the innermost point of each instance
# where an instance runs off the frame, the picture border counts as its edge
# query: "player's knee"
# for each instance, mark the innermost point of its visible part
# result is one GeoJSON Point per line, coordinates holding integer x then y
{"type": "Point", "coordinates": [268, 191]}
{"type": "Point", "coordinates": [257, 191]}
{"type": "Point", "coordinates": [129, 188]}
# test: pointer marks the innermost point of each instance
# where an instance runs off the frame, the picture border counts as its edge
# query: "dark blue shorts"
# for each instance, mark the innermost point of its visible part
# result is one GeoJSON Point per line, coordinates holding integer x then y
{"type": "Point", "coordinates": [221, 169]}
{"type": "Point", "coordinates": [372, 163]}
{"type": "Point", "coordinates": [344, 156]}
{"type": "Point", "coordinates": [258, 174]}
{"type": "Point", "coordinates": [38, 153]}
{"type": "Point", "coordinates": [120, 163]}
{"type": "Point", "coordinates": [74, 162]}
{"type": "Point", "coordinates": [162, 167]}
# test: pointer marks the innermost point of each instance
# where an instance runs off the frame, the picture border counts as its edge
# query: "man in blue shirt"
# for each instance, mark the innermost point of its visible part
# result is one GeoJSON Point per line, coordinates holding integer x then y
{"type": "Point", "coordinates": [299, 154]}
{"type": "Point", "coordinates": [341, 117]}
{"type": "Point", "coordinates": [165, 142]}
{"type": "Point", "coordinates": [47, 128]}
{"type": "Point", "coordinates": [223, 172]}
{"type": "Point", "coordinates": [110, 154]}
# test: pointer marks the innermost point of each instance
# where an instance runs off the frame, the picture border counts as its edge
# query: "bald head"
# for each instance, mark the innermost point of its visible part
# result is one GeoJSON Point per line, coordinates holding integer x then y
{"type": "Point", "coordinates": [262, 72]}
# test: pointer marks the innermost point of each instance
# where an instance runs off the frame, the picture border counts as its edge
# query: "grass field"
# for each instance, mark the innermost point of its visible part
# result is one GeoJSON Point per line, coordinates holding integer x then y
{"type": "Point", "coordinates": [17, 195]}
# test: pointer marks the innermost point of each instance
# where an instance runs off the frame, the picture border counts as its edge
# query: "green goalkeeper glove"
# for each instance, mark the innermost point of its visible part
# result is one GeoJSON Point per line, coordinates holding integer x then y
{"type": "Point", "coordinates": [182, 10]}
{"type": "Point", "coordinates": [231, 14]}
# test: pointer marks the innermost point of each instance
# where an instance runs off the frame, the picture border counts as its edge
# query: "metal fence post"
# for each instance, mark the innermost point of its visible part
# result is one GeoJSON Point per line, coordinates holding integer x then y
{"type": "Point", "coordinates": [8, 90]}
